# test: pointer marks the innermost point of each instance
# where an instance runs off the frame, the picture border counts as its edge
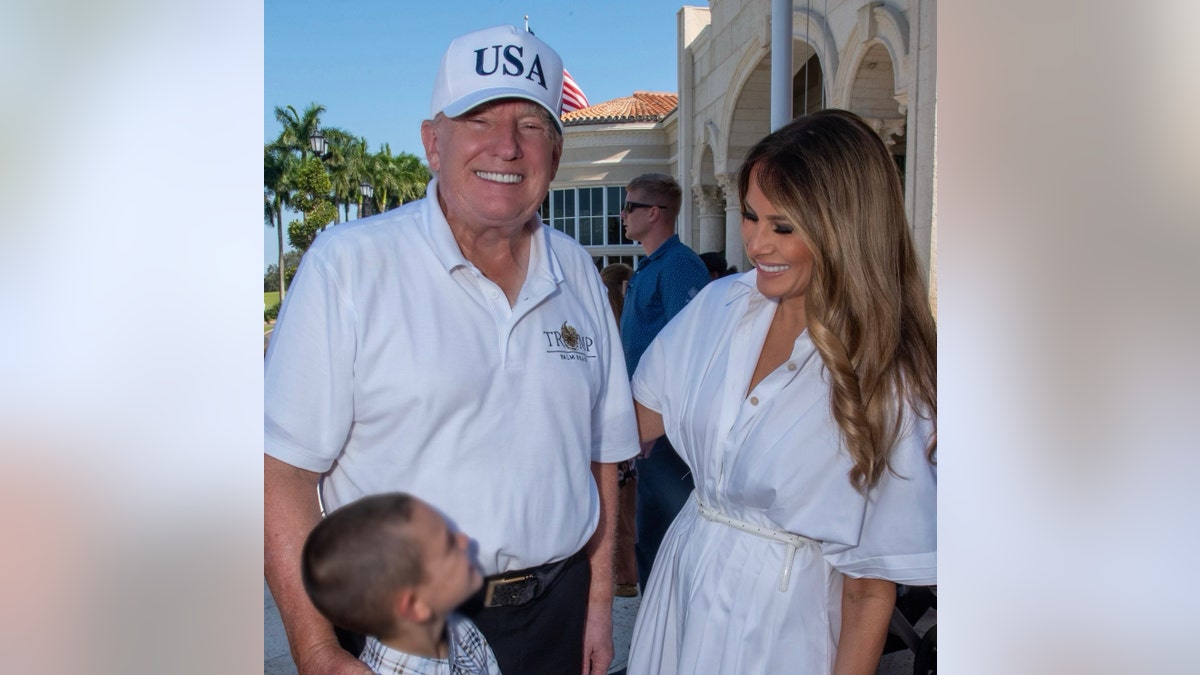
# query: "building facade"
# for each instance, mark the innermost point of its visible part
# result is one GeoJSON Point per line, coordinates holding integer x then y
{"type": "Point", "coordinates": [604, 147]}
{"type": "Point", "coordinates": [876, 59]}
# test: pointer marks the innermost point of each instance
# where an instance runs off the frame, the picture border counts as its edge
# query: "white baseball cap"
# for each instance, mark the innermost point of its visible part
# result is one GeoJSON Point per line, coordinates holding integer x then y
{"type": "Point", "coordinates": [495, 63]}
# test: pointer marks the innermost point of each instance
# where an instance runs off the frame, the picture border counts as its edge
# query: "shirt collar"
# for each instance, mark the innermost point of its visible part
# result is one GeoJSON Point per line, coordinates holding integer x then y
{"type": "Point", "coordinates": [742, 285]}
{"type": "Point", "coordinates": [437, 231]}
{"type": "Point", "coordinates": [662, 249]}
{"type": "Point", "coordinates": [542, 260]}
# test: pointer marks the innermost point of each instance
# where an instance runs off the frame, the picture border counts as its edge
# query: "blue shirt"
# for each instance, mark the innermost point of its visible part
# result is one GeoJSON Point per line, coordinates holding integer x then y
{"type": "Point", "coordinates": [664, 282]}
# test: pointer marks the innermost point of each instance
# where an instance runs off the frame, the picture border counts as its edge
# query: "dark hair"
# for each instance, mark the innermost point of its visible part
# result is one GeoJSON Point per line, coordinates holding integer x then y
{"type": "Point", "coordinates": [357, 558]}
{"type": "Point", "coordinates": [614, 277]}
{"type": "Point", "coordinates": [867, 307]}
{"type": "Point", "coordinates": [717, 265]}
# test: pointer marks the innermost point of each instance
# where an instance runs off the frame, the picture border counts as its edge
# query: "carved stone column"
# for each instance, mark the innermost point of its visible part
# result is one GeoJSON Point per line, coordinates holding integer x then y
{"type": "Point", "coordinates": [735, 252]}
{"type": "Point", "coordinates": [711, 217]}
{"type": "Point", "coordinates": [888, 128]}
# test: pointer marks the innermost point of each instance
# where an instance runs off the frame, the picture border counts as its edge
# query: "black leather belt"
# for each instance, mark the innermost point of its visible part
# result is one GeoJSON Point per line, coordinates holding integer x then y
{"type": "Point", "coordinates": [520, 587]}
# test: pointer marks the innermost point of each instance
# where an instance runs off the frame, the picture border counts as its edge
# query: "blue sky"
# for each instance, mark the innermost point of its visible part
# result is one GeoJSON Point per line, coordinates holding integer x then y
{"type": "Point", "coordinates": [371, 63]}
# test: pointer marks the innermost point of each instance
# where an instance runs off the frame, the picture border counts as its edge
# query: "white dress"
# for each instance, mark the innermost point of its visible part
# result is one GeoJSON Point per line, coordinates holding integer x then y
{"type": "Point", "coordinates": [772, 459]}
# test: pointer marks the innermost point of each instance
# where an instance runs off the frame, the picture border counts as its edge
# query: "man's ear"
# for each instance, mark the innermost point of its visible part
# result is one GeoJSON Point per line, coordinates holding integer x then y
{"type": "Point", "coordinates": [556, 157]}
{"type": "Point", "coordinates": [429, 140]}
{"type": "Point", "coordinates": [410, 606]}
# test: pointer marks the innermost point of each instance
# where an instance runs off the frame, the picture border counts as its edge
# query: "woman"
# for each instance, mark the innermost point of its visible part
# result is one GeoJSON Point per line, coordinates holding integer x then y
{"type": "Point", "coordinates": [802, 395]}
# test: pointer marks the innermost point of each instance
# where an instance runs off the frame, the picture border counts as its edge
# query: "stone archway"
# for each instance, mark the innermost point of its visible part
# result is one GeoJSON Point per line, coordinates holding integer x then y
{"type": "Point", "coordinates": [873, 97]}
{"type": "Point", "coordinates": [807, 84]}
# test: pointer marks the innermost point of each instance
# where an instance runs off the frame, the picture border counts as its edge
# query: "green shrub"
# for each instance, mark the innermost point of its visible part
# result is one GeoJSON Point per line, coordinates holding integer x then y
{"type": "Point", "coordinates": [271, 313]}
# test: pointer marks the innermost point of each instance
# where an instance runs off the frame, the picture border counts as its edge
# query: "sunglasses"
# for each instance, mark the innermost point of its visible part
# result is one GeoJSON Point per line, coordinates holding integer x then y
{"type": "Point", "coordinates": [630, 207]}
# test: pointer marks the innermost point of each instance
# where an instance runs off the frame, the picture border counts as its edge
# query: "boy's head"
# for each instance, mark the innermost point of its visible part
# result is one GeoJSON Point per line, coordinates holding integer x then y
{"type": "Point", "coordinates": [384, 559]}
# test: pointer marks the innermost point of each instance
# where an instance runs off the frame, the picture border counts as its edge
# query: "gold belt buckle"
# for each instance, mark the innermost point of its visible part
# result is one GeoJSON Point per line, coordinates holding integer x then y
{"type": "Point", "coordinates": [490, 593]}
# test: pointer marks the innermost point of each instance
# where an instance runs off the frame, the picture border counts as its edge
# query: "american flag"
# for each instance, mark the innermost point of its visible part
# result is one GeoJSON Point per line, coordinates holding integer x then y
{"type": "Point", "coordinates": [573, 98]}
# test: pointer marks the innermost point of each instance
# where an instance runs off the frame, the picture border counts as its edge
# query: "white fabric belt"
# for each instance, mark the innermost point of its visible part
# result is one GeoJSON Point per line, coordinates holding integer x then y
{"type": "Point", "coordinates": [793, 541]}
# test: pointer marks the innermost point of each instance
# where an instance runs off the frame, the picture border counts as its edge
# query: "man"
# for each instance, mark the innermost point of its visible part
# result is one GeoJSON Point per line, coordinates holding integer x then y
{"type": "Point", "coordinates": [459, 350]}
{"type": "Point", "coordinates": [666, 279]}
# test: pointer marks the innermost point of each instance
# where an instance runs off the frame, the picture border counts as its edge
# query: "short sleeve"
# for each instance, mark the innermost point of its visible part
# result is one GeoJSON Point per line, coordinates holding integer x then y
{"type": "Point", "coordinates": [663, 374]}
{"type": "Point", "coordinates": [649, 380]}
{"type": "Point", "coordinates": [898, 541]}
{"type": "Point", "coordinates": [681, 282]}
{"type": "Point", "coordinates": [308, 382]}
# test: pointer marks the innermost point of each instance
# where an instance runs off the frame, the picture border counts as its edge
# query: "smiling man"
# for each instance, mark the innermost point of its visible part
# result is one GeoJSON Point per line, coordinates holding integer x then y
{"type": "Point", "coordinates": [459, 350]}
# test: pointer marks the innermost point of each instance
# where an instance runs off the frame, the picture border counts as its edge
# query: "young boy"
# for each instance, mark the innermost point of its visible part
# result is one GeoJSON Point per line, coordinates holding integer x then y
{"type": "Point", "coordinates": [387, 566]}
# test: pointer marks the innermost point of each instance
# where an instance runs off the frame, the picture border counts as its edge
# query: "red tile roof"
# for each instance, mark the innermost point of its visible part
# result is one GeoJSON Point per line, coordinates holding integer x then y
{"type": "Point", "coordinates": [643, 106]}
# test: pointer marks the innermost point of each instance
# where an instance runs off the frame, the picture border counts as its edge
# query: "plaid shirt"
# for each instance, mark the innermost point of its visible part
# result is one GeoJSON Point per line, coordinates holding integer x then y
{"type": "Point", "coordinates": [469, 654]}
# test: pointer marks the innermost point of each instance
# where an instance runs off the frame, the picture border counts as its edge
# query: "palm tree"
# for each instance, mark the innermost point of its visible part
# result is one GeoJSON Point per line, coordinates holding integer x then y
{"type": "Point", "coordinates": [380, 169]}
{"type": "Point", "coordinates": [345, 165]}
{"type": "Point", "coordinates": [297, 128]}
{"type": "Point", "coordinates": [413, 177]}
{"type": "Point", "coordinates": [278, 165]}
{"type": "Point", "coordinates": [282, 159]}
{"type": "Point", "coordinates": [360, 160]}
{"type": "Point", "coordinates": [397, 179]}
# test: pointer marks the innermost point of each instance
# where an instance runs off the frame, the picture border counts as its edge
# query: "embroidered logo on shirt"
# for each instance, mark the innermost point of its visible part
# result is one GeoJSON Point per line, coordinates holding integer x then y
{"type": "Point", "coordinates": [569, 344]}
{"type": "Point", "coordinates": [570, 336]}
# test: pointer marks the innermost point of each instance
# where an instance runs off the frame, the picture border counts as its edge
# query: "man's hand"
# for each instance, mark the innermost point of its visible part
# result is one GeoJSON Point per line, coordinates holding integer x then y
{"type": "Point", "coordinates": [328, 658]}
{"type": "Point", "coordinates": [290, 511]}
{"type": "Point", "coordinates": [597, 631]}
{"type": "Point", "coordinates": [597, 639]}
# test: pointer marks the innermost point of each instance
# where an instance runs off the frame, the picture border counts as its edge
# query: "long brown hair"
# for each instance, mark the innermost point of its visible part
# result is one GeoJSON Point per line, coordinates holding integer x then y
{"type": "Point", "coordinates": [615, 276]}
{"type": "Point", "coordinates": [867, 307]}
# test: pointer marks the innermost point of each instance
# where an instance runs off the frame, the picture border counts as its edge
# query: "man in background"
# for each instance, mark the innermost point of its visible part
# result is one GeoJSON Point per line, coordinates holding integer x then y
{"type": "Point", "coordinates": [668, 277]}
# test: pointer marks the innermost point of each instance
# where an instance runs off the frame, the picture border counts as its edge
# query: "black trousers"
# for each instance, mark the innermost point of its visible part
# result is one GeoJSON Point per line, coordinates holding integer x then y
{"type": "Point", "coordinates": [663, 487]}
{"type": "Point", "coordinates": [541, 637]}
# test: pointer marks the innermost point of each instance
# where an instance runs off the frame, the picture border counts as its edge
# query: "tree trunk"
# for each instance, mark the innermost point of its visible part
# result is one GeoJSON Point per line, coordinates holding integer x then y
{"type": "Point", "coordinates": [279, 233]}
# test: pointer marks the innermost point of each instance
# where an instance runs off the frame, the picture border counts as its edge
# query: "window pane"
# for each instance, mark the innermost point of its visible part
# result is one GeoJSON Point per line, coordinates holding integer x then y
{"type": "Point", "coordinates": [562, 218]}
{"type": "Point", "coordinates": [557, 198]}
{"type": "Point", "coordinates": [585, 203]}
{"type": "Point", "coordinates": [591, 204]}
{"type": "Point", "coordinates": [591, 216]}
{"type": "Point", "coordinates": [585, 211]}
{"type": "Point", "coordinates": [616, 229]}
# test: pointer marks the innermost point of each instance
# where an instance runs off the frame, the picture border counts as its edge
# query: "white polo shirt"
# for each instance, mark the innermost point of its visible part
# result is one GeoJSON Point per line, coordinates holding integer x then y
{"type": "Point", "coordinates": [396, 365]}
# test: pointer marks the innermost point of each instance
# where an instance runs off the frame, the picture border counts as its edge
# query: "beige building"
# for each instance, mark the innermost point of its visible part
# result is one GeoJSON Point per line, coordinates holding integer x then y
{"type": "Point", "coordinates": [874, 58]}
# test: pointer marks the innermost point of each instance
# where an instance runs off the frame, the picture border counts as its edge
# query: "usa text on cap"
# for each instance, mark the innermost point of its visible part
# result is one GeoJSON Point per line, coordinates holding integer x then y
{"type": "Point", "coordinates": [495, 63]}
